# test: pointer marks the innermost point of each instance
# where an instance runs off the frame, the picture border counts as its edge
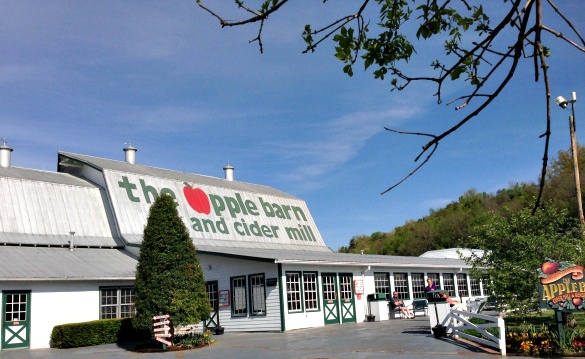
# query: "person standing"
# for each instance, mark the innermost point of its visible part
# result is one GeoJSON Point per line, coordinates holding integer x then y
{"type": "Point", "coordinates": [430, 285]}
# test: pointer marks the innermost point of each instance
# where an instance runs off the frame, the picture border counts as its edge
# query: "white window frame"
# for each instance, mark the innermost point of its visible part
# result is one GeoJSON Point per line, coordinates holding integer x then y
{"type": "Point", "coordinates": [293, 292]}
{"type": "Point", "coordinates": [401, 285]}
{"type": "Point", "coordinates": [418, 285]}
{"type": "Point", "coordinates": [382, 283]}
{"type": "Point", "coordinates": [475, 287]}
{"type": "Point", "coordinates": [120, 300]}
{"type": "Point", "coordinates": [311, 291]}
{"type": "Point", "coordinates": [462, 287]}
{"type": "Point", "coordinates": [449, 284]}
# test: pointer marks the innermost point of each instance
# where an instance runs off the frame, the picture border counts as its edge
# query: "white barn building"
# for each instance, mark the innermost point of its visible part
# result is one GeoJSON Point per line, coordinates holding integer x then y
{"type": "Point", "coordinates": [69, 242]}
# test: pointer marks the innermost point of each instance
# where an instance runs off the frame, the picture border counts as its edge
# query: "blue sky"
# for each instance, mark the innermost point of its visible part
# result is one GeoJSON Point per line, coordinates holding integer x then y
{"type": "Point", "coordinates": [89, 76]}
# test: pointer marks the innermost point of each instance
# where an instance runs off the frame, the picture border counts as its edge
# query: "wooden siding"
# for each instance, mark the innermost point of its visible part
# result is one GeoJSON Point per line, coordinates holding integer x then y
{"type": "Point", "coordinates": [222, 269]}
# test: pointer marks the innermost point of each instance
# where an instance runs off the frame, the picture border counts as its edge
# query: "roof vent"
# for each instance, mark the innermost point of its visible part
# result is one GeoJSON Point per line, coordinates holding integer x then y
{"type": "Point", "coordinates": [130, 153]}
{"type": "Point", "coordinates": [229, 172]}
{"type": "Point", "coordinates": [5, 154]}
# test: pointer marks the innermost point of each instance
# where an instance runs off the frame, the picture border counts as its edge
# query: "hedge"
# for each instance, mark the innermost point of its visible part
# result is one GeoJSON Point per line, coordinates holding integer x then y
{"type": "Point", "coordinates": [96, 332]}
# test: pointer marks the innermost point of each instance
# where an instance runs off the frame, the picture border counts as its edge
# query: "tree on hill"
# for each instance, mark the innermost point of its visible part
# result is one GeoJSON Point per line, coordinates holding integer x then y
{"type": "Point", "coordinates": [169, 279]}
{"type": "Point", "coordinates": [560, 188]}
{"type": "Point", "coordinates": [484, 47]}
{"type": "Point", "coordinates": [515, 246]}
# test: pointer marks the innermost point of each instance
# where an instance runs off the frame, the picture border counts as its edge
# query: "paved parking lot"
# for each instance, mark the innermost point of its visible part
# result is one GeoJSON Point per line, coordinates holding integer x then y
{"type": "Point", "coordinates": [388, 339]}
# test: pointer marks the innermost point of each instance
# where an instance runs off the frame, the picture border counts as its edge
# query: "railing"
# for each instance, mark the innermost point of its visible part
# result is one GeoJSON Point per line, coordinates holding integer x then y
{"type": "Point", "coordinates": [457, 321]}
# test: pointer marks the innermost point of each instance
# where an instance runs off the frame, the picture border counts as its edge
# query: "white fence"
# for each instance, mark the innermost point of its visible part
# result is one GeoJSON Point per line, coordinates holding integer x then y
{"type": "Point", "coordinates": [458, 320]}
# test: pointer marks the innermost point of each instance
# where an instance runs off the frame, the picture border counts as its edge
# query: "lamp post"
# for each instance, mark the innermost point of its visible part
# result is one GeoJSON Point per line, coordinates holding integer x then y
{"type": "Point", "coordinates": [563, 103]}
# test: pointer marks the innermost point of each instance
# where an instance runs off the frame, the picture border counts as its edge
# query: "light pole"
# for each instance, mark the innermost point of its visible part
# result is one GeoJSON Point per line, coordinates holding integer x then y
{"type": "Point", "coordinates": [562, 102]}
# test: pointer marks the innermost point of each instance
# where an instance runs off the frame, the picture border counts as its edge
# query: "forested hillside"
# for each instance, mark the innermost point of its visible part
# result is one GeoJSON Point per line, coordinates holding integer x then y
{"type": "Point", "coordinates": [451, 226]}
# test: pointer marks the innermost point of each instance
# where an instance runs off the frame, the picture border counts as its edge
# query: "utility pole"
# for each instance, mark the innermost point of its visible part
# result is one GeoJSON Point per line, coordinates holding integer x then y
{"type": "Point", "coordinates": [562, 102]}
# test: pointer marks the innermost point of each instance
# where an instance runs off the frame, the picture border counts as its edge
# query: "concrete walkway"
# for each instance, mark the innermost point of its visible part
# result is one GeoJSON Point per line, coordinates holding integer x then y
{"type": "Point", "coordinates": [403, 339]}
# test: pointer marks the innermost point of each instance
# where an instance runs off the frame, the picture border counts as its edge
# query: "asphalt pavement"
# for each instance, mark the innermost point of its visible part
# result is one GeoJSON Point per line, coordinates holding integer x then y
{"type": "Point", "coordinates": [397, 338]}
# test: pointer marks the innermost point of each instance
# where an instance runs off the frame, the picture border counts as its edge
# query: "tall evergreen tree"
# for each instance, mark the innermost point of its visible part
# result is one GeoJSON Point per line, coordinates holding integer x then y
{"type": "Point", "coordinates": [169, 278]}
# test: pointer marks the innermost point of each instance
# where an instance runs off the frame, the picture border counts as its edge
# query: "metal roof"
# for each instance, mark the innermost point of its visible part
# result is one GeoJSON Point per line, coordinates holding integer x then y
{"type": "Point", "coordinates": [333, 258]}
{"type": "Point", "coordinates": [135, 239]}
{"type": "Point", "coordinates": [41, 263]}
{"type": "Point", "coordinates": [43, 176]}
{"type": "Point", "coordinates": [278, 231]}
{"type": "Point", "coordinates": [42, 208]}
{"type": "Point", "coordinates": [66, 158]}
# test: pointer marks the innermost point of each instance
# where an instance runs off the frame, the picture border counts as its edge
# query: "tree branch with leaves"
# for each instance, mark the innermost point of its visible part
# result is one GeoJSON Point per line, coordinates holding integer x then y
{"type": "Point", "coordinates": [479, 57]}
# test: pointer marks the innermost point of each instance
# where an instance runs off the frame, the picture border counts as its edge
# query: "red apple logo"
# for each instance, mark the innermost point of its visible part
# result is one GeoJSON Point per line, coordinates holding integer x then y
{"type": "Point", "coordinates": [549, 267]}
{"type": "Point", "coordinates": [197, 199]}
{"type": "Point", "coordinates": [577, 301]}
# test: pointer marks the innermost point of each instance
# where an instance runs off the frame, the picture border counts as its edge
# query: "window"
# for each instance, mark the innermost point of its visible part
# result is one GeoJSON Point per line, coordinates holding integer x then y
{"type": "Point", "coordinates": [401, 285]}
{"type": "Point", "coordinates": [257, 294]}
{"type": "Point", "coordinates": [462, 285]}
{"type": "Point", "coordinates": [212, 294]}
{"type": "Point", "coordinates": [382, 283]}
{"type": "Point", "coordinates": [418, 285]}
{"type": "Point", "coordinates": [239, 300]}
{"type": "Point", "coordinates": [329, 289]}
{"type": "Point", "coordinates": [293, 291]}
{"type": "Point", "coordinates": [15, 308]}
{"type": "Point", "coordinates": [475, 288]}
{"type": "Point", "coordinates": [310, 291]}
{"type": "Point", "coordinates": [449, 284]}
{"type": "Point", "coordinates": [117, 302]}
{"type": "Point", "coordinates": [345, 287]}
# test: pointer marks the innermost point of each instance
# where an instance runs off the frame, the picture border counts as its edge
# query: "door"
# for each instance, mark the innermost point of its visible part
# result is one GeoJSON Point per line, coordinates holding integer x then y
{"type": "Point", "coordinates": [15, 319]}
{"type": "Point", "coordinates": [346, 298]}
{"type": "Point", "coordinates": [330, 303]}
{"type": "Point", "coordinates": [213, 295]}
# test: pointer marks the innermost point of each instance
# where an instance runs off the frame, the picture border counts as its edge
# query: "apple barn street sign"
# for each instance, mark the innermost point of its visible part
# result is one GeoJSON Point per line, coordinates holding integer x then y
{"type": "Point", "coordinates": [561, 286]}
{"type": "Point", "coordinates": [214, 213]}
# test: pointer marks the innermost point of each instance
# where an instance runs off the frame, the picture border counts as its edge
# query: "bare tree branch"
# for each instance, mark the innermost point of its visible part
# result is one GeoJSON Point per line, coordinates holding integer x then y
{"type": "Point", "coordinates": [439, 18]}
{"type": "Point", "coordinates": [420, 165]}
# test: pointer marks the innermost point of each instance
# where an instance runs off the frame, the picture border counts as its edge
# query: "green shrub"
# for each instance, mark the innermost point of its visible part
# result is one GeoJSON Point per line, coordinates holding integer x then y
{"type": "Point", "coordinates": [96, 332]}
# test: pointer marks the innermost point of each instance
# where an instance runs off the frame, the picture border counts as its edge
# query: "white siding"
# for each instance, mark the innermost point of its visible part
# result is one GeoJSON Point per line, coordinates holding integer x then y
{"type": "Point", "coordinates": [222, 269]}
{"type": "Point", "coordinates": [54, 303]}
{"type": "Point", "coordinates": [315, 319]}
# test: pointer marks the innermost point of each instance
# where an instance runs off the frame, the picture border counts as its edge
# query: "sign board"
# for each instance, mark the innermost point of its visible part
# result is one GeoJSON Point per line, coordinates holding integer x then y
{"type": "Point", "coordinates": [271, 282]}
{"type": "Point", "coordinates": [214, 213]}
{"type": "Point", "coordinates": [561, 286]}
{"type": "Point", "coordinates": [358, 286]}
{"type": "Point", "coordinates": [160, 325]}
{"type": "Point", "coordinates": [224, 298]}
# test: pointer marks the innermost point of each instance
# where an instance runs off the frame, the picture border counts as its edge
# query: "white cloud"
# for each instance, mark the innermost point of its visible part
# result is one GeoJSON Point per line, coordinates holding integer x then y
{"type": "Point", "coordinates": [336, 142]}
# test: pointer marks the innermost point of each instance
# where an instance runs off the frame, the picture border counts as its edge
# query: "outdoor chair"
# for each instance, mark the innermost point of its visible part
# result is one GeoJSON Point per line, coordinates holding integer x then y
{"type": "Point", "coordinates": [420, 305]}
{"type": "Point", "coordinates": [393, 310]}
{"type": "Point", "coordinates": [476, 305]}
